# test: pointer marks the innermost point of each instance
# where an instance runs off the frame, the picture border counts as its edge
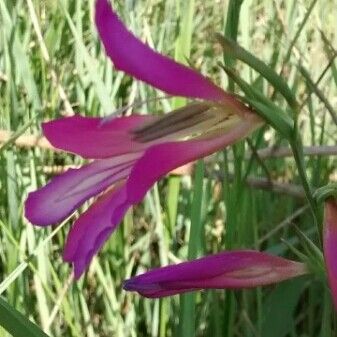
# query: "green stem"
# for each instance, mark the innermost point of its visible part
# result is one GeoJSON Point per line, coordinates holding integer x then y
{"type": "Point", "coordinates": [187, 320]}
{"type": "Point", "coordinates": [297, 148]}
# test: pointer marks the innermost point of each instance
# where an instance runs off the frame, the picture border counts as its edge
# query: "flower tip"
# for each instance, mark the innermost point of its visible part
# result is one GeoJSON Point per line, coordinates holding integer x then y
{"type": "Point", "coordinates": [146, 289]}
{"type": "Point", "coordinates": [32, 211]}
{"type": "Point", "coordinates": [128, 285]}
{"type": "Point", "coordinates": [132, 285]}
{"type": "Point", "coordinates": [67, 255]}
{"type": "Point", "coordinates": [103, 11]}
{"type": "Point", "coordinates": [48, 130]}
{"type": "Point", "coordinates": [102, 5]}
{"type": "Point", "coordinates": [28, 208]}
{"type": "Point", "coordinates": [78, 272]}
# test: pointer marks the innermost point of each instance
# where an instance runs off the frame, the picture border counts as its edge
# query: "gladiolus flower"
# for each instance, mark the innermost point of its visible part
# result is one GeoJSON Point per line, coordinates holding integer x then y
{"type": "Point", "coordinates": [131, 153]}
{"type": "Point", "coordinates": [226, 270]}
{"type": "Point", "coordinates": [330, 245]}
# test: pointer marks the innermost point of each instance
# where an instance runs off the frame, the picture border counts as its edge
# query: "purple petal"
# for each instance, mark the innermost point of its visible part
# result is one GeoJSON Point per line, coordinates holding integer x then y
{"type": "Point", "coordinates": [94, 227]}
{"type": "Point", "coordinates": [160, 159]}
{"type": "Point", "coordinates": [330, 245]}
{"type": "Point", "coordinates": [134, 57]}
{"type": "Point", "coordinates": [91, 138]}
{"type": "Point", "coordinates": [230, 269]}
{"type": "Point", "coordinates": [60, 197]}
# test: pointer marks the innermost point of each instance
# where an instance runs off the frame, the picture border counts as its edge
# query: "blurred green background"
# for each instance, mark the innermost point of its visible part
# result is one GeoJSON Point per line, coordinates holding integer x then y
{"type": "Point", "coordinates": [52, 64]}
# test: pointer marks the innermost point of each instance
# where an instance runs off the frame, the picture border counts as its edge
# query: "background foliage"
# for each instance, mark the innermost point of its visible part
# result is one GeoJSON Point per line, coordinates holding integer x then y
{"type": "Point", "coordinates": [52, 64]}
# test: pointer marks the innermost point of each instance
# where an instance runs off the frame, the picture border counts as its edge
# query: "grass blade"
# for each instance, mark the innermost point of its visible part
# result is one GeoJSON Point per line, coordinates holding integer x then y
{"type": "Point", "coordinates": [17, 324]}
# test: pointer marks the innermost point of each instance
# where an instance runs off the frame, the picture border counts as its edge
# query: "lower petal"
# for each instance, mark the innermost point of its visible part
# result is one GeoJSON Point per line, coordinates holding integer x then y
{"type": "Point", "coordinates": [230, 269]}
{"type": "Point", "coordinates": [63, 194]}
{"type": "Point", "coordinates": [94, 227]}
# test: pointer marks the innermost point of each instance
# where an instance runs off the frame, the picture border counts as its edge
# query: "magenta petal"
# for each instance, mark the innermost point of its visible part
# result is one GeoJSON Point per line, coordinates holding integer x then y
{"type": "Point", "coordinates": [330, 245]}
{"type": "Point", "coordinates": [91, 138]}
{"type": "Point", "coordinates": [230, 269]}
{"type": "Point", "coordinates": [134, 57]}
{"type": "Point", "coordinates": [60, 197]}
{"type": "Point", "coordinates": [94, 227]}
{"type": "Point", "coordinates": [160, 159]}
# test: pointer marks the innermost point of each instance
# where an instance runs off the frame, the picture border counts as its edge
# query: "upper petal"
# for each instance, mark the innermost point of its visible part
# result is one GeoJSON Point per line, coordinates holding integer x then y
{"type": "Point", "coordinates": [94, 227]}
{"type": "Point", "coordinates": [160, 159]}
{"type": "Point", "coordinates": [330, 245]}
{"type": "Point", "coordinates": [63, 194]}
{"type": "Point", "coordinates": [134, 57]}
{"type": "Point", "coordinates": [90, 138]}
{"type": "Point", "coordinates": [230, 269]}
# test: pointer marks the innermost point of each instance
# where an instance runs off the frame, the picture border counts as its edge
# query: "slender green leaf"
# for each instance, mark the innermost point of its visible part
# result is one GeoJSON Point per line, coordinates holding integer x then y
{"type": "Point", "coordinates": [16, 323]}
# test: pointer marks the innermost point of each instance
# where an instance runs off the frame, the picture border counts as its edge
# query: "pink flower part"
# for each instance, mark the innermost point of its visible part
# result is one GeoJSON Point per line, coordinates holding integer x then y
{"type": "Point", "coordinates": [139, 169]}
{"type": "Point", "coordinates": [132, 152]}
{"type": "Point", "coordinates": [226, 270]}
{"type": "Point", "coordinates": [90, 138]}
{"type": "Point", "coordinates": [63, 194]}
{"type": "Point", "coordinates": [134, 57]}
{"type": "Point", "coordinates": [330, 245]}
{"type": "Point", "coordinates": [160, 159]}
{"type": "Point", "coordinates": [94, 227]}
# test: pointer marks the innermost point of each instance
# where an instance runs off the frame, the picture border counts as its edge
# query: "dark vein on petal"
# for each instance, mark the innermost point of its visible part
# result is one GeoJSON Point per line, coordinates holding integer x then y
{"type": "Point", "coordinates": [171, 129]}
{"type": "Point", "coordinates": [122, 167]}
{"type": "Point", "coordinates": [182, 116]}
